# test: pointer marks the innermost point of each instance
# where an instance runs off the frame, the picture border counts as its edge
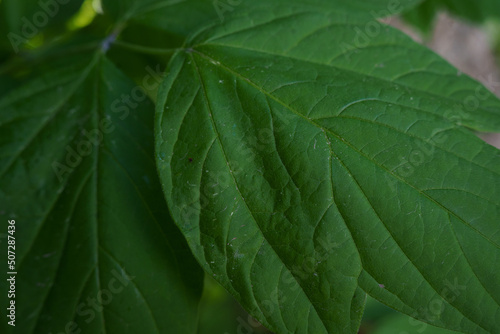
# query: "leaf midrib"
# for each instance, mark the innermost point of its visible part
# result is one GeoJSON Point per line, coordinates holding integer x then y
{"type": "Point", "coordinates": [369, 75]}
{"type": "Point", "coordinates": [239, 192]}
{"type": "Point", "coordinates": [226, 68]}
{"type": "Point", "coordinates": [455, 126]}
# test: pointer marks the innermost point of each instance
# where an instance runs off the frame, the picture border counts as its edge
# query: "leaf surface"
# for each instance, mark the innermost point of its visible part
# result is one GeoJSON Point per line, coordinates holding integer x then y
{"type": "Point", "coordinates": [96, 248]}
{"type": "Point", "coordinates": [304, 172]}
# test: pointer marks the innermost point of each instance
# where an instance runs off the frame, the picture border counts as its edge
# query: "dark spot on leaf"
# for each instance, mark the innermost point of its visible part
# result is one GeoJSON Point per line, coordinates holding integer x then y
{"type": "Point", "coordinates": [190, 159]}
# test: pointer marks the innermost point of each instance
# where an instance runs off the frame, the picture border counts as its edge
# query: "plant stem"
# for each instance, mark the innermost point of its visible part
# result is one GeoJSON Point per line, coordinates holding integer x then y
{"type": "Point", "coordinates": [145, 49]}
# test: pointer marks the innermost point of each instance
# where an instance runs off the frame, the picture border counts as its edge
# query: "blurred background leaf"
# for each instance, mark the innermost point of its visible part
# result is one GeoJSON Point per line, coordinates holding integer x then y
{"type": "Point", "coordinates": [478, 11]}
{"type": "Point", "coordinates": [26, 23]}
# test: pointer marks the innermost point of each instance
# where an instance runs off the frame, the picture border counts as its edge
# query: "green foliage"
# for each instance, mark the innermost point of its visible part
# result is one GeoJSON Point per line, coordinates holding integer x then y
{"type": "Point", "coordinates": [23, 20]}
{"type": "Point", "coordinates": [308, 155]}
{"type": "Point", "coordinates": [478, 11]}
{"type": "Point", "coordinates": [79, 178]}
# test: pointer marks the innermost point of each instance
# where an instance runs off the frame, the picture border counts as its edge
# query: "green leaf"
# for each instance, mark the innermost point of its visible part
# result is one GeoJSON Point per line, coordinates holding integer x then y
{"type": "Point", "coordinates": [403, 325]}
{"type": "Point", "coordinates": [476, 11]}
{"type": "Point", "coordinates": [305, 169]}
{"type": "Point", "coordinates": [182, 17]}
{"type": "Point", "coordinates": [78, 177]}
{"type": "Point", "coordinates": [379, 319]}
